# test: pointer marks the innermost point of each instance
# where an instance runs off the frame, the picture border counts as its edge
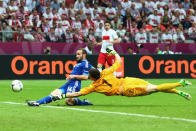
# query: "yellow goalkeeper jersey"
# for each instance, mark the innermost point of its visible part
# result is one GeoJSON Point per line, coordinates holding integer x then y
{"type": "Point", "coordinates": [107, 84]}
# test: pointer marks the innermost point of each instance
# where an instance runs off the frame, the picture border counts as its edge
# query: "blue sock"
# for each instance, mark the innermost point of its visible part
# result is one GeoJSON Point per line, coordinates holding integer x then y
{"type": "Point", "coordinates": [79, 102]}
{"type": "Point", "coordinates": [45, 100]}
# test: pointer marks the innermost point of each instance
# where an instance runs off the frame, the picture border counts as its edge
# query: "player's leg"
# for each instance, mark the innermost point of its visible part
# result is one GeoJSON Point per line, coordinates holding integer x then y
{"type": "Point", "coordinates": [101, 61]}
{"type": "Point", "coordinates": [55, 95]}
{"type": "Point", "coordinates": [169, 88]}
{"type": "Point", "coordinates": [179, 92]}
{"type": "Point", "coordinates": [110, 60]}
{"type": "Point", "coordinates": [75, 101]}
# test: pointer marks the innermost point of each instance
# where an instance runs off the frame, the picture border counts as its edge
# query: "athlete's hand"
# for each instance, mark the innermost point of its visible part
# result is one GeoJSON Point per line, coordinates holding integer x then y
{"type": "Point", "coordinates": [110, 51]}
{"type": "Point", "coordinates": [70, 77]}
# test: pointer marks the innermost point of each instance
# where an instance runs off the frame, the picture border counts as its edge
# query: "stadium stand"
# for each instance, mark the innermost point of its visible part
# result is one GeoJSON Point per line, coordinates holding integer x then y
{"type": "Point", "coordinates": [149, 21]}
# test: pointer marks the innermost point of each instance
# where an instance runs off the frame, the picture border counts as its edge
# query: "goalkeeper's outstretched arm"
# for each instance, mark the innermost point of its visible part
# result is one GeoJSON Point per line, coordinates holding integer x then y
{"type": "Point", "coordinates": [113, 52]}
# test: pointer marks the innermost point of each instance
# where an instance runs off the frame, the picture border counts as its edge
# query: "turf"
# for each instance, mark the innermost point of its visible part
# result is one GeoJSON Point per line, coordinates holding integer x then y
{"type": "Point", "coordinates": [17, 117]}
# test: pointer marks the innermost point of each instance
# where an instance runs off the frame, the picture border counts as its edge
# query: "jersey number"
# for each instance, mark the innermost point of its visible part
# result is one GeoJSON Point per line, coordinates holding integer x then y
{"type": "Point", "coordinates": [104, 81]}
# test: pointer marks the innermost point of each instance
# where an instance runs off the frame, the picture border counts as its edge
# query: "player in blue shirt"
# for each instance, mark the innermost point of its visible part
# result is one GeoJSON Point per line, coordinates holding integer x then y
{"type": "Point", "coordinates": [80, 72]}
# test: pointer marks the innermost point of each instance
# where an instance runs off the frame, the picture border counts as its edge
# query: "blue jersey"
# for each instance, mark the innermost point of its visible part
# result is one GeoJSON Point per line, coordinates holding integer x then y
{"type": "Point", "coordinates": [74, 85]}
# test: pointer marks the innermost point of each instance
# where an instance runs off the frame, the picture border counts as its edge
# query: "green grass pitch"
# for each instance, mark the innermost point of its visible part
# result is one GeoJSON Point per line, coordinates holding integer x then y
{"type": "Point", "coordinates": [114, 113]}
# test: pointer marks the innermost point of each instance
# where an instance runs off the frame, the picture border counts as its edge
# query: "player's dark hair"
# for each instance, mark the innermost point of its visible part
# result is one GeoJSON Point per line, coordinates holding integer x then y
{"type": "Point", "coordinates": [107, 21]}
{"type": "Point", "coordinates": [83, 51]}
{"type": "Point", "coordinates": [94, 73]}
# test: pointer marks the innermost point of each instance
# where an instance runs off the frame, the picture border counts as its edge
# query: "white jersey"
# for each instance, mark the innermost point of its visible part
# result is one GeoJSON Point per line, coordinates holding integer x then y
{"type": "Point", "coordinates": [154, 20]}
{"type": "Point", "coordinates": [154, 37]}
{"type": "Point", "coordinates": [141, 38]}
{"type": "Point", "coordinates": [108, 35]}
{"type": "Point", "coordinates": [167, 38]}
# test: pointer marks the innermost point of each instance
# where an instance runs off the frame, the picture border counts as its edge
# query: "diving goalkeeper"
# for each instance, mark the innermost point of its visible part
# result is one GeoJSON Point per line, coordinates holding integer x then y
{"type": "Point", "coordinates": [106, 83]}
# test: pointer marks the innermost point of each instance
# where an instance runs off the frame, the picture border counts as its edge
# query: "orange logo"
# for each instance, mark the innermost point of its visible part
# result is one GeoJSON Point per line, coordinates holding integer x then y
{"type": "Point", "coordinates": [168, 66]}
{"type": "Point", "coordinates": [44, 66]}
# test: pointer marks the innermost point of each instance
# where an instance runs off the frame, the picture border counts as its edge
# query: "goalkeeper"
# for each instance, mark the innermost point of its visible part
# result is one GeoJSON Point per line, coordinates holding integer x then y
{"type": "Point", "coordinates": [106, 83]}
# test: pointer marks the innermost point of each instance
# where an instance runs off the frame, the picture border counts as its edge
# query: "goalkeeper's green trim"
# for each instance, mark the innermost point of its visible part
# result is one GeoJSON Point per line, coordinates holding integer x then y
{"type": "Point", "coordinates": [113, 52]}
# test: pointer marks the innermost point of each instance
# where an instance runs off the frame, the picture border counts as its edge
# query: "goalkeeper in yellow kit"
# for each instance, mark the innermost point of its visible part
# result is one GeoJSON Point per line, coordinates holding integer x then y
{"type": "Point", "coordinates": [106, 83]}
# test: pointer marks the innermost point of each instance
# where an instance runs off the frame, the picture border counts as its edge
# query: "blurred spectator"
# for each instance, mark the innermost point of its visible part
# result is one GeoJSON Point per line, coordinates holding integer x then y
{"type": "Point", "coordinates": [86, 15]}
{"type": "Point", "coordinates": [78, 37]}
{"type": "Point", "coordinates": [133, 11]}
{"type": "Point", "coordinates": [40, 36]}
{"type": "Point", "coordinates": [68, 36]}
{"type": "Point", "coordinates": [84, 30]}
{"type": "Point", "coordinates": [78, 5]}
{"type": "Point", "coordinates": [165, 20]}
{"type": "Point", "coordinates": [192, 32]}
{"type": "Point", "coordinates": [55, 4]}
{"type": "Point", "coordinates": [127, 38]}
{"type": "Point", "coordinates": [154, 19]}
{"type": "Point", "coordinates": [89, 48]}
{"type": "Point", "coordinates": [143, 8]}
{"type": "Point", "coordinates": [154, 36]}
{"type": "Point", "coordinates": [76, 24]}
{"type": "Point", "coordinates": [27, 35]}
{"type": "Point", "coordinates": [47, 50]}
{"type": "Point", "coordinates": [130, 51]}
{"type": "Point", "coordinates": [178, 37]}
{"type": "Point", "coordinates": [141, 36]}
{"type": "Point", "coordinates": [159, 51]}
{"type": "Point", "coordinates": [121, 31]}
{"type": "Point", "coordinates": [98, 32]}
{"type": "Point", "coordinates": [18, 36]}
{"type": "Point", "coordinates": [116, 22]}
{"type": "Point", "coordinates": [51, 37]}
{"type": "Point", "coordinates": [3, 14]}
{"type": "Point", "coordinates": [89, 23]}
{"type": "Point", "coordinates": [110, 11]}
{"type": "Point", "coordinates": [166, 37]}
{"type": "Point", "coordinates": [167, 50]}
{"type": "Point", "coordinates": [186, 4]}
{"type": "Point", "coordinates": [6, 33]}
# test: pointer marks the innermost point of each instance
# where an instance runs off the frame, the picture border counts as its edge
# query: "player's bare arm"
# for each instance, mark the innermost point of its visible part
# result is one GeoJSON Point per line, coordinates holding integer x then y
{"type": "Point", "coordinates": [75, 94]}
{"type": "Point", "coordinates": [79, 77]}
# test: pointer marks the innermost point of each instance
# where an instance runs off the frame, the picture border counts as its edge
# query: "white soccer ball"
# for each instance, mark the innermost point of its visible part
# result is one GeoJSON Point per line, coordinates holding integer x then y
{"type": "Point", "coordinates": [16, 85]}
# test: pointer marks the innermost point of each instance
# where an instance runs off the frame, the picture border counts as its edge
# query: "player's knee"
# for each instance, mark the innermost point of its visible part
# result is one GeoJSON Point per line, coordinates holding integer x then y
{"type": "Point", "coordinates": [56, 95]}
{"type": "Point", "coordinates": [151, 88]}
{"type": "Point", "coordinates": [99, 66]}
{"type": "Point", "coordinates": [70, 101]}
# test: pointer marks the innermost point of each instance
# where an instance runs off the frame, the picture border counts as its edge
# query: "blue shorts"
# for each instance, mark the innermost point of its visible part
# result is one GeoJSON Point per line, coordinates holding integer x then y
{"type": "Point", "coordinates": [71, 86]}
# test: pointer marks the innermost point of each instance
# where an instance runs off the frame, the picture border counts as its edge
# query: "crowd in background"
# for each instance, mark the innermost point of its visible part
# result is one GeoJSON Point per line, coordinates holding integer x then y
{"type": "Point", "coordinates": [149, 21]}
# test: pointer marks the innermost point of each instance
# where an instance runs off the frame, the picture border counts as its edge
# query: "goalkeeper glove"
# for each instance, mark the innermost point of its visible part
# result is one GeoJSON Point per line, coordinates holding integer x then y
{"type": "Point", "coordinates": [113, 52]}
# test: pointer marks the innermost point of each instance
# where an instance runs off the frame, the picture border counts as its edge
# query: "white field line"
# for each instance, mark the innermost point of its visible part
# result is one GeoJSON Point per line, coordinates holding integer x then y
{"type": "Point", "coordinates": [108, 112]}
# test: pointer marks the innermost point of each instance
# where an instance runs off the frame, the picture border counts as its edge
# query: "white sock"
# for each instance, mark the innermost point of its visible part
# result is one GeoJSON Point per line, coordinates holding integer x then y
{"type": "Point", "coordinates": [100, 69]}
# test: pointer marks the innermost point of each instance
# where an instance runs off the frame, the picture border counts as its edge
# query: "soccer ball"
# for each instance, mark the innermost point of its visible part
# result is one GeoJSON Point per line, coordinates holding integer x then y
{"type": "Point", "coordinates": [16, 85]}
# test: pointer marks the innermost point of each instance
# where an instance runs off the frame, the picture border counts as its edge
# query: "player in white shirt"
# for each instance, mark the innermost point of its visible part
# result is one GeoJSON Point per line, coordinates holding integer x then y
{"type": "Point", "coordinates": [141, 36]}
{"type": "Point", "coordinates": [154, 36]}
{"type": "Point", "coordinates": [109, 37]}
